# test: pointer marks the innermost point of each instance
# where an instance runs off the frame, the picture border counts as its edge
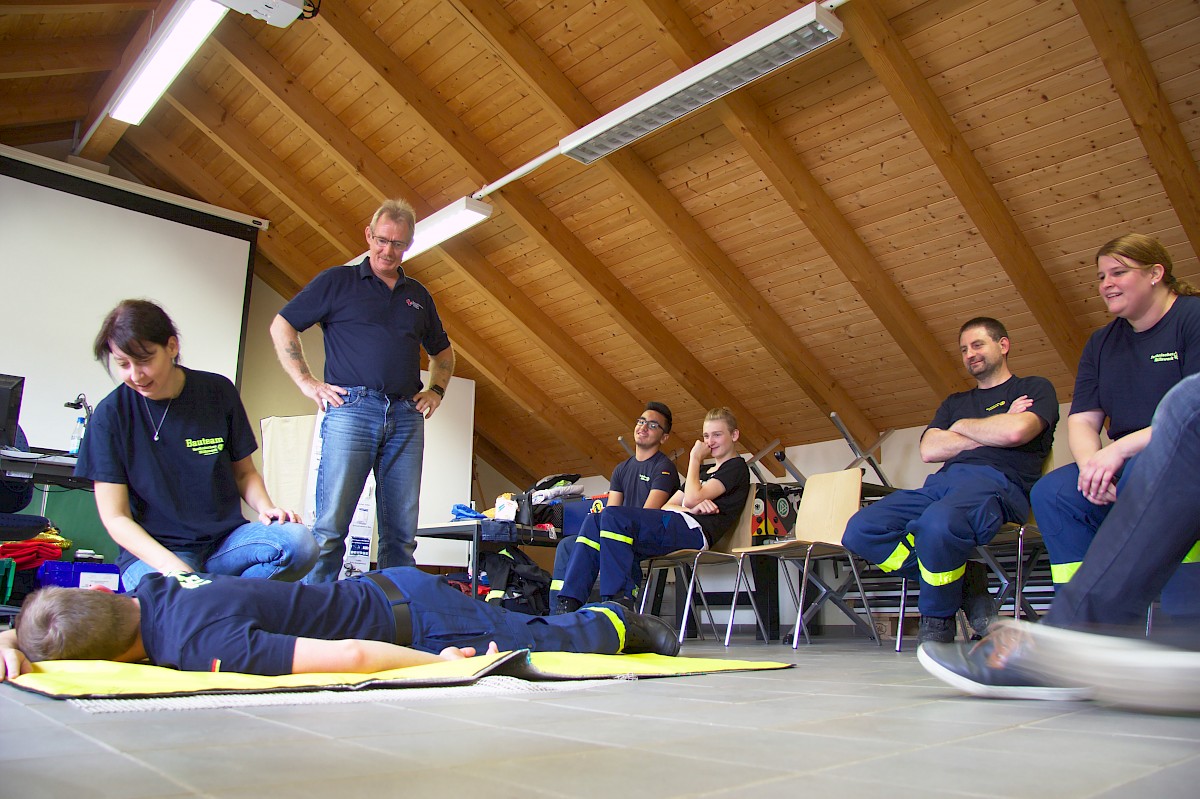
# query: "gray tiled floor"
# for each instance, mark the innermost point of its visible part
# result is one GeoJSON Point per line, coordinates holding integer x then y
{"type": "Point", "coordinates": [851, 720]}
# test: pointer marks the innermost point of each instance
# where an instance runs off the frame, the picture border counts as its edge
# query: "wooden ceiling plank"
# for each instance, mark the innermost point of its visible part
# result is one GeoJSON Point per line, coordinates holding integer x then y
{"type": "Point", "coordinates": [258, 67]}
{"type": "Point", "coordinates": [872, 33]}
{"type": "Point", "coordinates": [804, 194]}
{"type": "Point", "coordinates": [373, 55]}
{"type": "Point", "coordinates": [502, 462]}
{"type": "Point", "coordinates": [198, 108]}
{"type": "Point", "coordinates": [525, 393]}
{"type": "Point", "coordinates": [1124, 57]}
{"type": "Point", "coordinates": [43, 59]}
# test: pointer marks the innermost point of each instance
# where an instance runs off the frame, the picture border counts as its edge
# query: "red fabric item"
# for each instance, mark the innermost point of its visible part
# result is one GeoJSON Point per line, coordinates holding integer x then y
{"type": "Point", "coordinates": [30, 554]}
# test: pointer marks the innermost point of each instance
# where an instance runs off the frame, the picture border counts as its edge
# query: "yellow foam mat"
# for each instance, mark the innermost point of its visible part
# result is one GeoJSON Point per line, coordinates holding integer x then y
{"type": "Point", "coordinates": [101, 679]}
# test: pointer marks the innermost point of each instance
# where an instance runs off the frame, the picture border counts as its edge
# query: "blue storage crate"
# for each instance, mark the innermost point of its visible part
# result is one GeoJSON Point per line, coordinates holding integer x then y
{"type": "Point", "coordinates": [70, 574]}
{"type": "Point", "coordinates": [575, 512]}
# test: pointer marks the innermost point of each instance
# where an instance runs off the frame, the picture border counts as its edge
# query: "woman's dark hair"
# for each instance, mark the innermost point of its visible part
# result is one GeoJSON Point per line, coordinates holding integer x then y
{"type": "Point", "coordinates": [1146, 251]}
{"type": "Point", "coordinates": [130, 327]}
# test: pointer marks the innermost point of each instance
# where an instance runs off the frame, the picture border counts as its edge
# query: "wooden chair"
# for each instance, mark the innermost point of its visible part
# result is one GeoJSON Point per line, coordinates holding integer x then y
{"type": "Point", "coordinates": [687, 563]}
{"type": "Point", "coordinates": [828, 502]}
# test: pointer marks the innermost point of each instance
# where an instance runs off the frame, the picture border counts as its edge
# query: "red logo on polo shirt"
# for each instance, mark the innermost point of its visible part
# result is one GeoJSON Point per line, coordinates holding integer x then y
{"type": "Point", "coordinates": [413, 304]}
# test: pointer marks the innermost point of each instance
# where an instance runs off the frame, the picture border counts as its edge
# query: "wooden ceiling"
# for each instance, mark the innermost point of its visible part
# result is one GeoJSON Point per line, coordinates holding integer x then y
{"type": "Point", "coordinates": [809, 244]}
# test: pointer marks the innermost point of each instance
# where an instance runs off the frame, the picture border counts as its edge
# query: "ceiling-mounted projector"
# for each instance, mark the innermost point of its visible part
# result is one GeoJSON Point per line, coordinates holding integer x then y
{"type": "Point", "coordinates": [279, 13]}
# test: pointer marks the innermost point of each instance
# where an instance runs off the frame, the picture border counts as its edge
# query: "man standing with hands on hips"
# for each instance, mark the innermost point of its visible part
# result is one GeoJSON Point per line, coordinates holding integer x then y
{"type": "Point", "coordinates": [375, 321]}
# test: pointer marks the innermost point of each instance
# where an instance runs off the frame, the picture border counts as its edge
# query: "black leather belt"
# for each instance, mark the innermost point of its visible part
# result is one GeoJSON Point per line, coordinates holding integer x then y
{"type": "Point", "coordinates": [400, 611]}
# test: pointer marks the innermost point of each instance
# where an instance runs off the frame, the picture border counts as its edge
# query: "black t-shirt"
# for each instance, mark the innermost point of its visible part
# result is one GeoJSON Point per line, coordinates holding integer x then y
{"type": "Point", "coordinates": [1023, 464]}
{"type": "Point", "coordinates": [1126, 374]}
{"type": "Point", "coordinates": [373, 334]}
{"type": "Point", "coordinates": [734, 474]}
{"type": "Point", "coordinates": [182, 489]}
{"type": "Point", "coordinates": [212, 622]}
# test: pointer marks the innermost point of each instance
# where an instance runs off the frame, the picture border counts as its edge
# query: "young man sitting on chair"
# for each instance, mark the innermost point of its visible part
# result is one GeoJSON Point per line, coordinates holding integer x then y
{"type": "Point", "coordinates": [383, 620]}
{"type": "Point", "coordinates": [695, 518]}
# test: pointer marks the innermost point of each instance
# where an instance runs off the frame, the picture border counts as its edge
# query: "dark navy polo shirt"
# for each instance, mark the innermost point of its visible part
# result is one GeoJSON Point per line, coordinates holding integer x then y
{"type": "Point", "coordinates": [1126, 374]}
{"type": "Point", "coordinates": [373, 334]}
{"type": "Point", "coordinates": [1023, 464]}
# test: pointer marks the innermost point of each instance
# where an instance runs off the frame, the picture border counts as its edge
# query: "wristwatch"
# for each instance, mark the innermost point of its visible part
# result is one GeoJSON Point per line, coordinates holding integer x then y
{"type": "Point", "coordinates": [436, 389]}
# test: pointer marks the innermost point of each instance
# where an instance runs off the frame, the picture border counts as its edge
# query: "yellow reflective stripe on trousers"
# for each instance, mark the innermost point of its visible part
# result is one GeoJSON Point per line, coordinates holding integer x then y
{"type": "Point", "coordinates": [1063, 572]}
{"type": "Point", "coordinates": [556, 585]}
{"type": "Point", "coordinates": [941, 578]}
{"type": "Point", "coordinates": [589, 542]}
{"type": "Point", "coordinates": [616, 623]}
{"type": "Point", "coordinates": [624, 539]}
{"type": "Point", "coordinates": [1193, 555]}
{"type": "Point", "coordinates": [897, 558]}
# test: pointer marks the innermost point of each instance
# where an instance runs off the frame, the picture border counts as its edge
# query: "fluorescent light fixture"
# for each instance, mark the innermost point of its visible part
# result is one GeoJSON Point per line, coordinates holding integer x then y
{"type": "Point", "coordinates": [447, 223]}
{"type": "Point", "coordinates": [772, 47]}
{"type": "Point", "coordinates": [177, 39]}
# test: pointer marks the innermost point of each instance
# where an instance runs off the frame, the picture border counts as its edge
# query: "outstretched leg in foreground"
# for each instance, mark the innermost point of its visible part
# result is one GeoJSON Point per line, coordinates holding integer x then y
{"type": "Point", "coordinates": [1088, 645]}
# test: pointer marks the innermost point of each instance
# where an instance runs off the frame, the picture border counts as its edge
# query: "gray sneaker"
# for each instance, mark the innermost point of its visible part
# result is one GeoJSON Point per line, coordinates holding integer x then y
{"type": "Point", "coordinates": [1003, 665]}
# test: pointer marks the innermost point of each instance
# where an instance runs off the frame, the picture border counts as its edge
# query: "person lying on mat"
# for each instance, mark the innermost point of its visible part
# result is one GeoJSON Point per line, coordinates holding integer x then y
{"type": "Point", "coordinates": [384, 620]}
{"type": "Point", "coordinates": [695, 518]}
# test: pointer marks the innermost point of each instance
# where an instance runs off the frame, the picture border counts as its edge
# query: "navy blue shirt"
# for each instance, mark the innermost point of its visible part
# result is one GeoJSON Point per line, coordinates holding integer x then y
{"type": "Point", "coordinates": [1126, 374]}
{"type": "Point", "coordinates": [213, 622]}
{"type": "Point", "coordinates": [181, 487]}
{"type": "Point", "coordinates": [1023, 464]}
{"type": "Point", "coordinates": [373, 334]}
{"type": "Point", "coordinates": [636, 479]}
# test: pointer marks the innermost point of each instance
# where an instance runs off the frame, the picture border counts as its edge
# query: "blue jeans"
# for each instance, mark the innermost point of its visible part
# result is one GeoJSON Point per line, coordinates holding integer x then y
{"type": "Point", "coordinates": [1152, 527]}
{"type": "Point", "coordinates": [443, 616]}
{"type": "Point", "coordinates": [928, 533]}
{"type": "Point", "coordinates": [277, 551]}
{"type": "Point", "coordinates": [369, 431]}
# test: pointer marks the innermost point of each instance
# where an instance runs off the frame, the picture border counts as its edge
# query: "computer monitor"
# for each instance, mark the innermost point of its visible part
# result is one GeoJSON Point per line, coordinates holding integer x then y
{"type": "Point", "coordinates": [11, 388]}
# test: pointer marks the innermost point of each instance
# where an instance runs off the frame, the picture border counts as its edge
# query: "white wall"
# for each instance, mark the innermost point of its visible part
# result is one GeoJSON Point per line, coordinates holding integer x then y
{"type": "Point", "coordinates": [266, 388]}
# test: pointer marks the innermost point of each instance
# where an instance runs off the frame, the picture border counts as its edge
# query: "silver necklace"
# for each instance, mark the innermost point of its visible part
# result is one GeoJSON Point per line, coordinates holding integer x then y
{"type": "Point", "coordinates": [158, 426]}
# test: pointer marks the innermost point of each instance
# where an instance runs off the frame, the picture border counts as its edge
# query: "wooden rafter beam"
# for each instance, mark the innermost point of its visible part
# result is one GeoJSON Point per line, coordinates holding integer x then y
{"type": "Point", "coordinates": [74, 6]}
{"type": "Point", "coordinates": [1111, 30]}
{"type": "Point", "coordinates": [109, 131]}
{"type": "Point", "coordinates": [34, 134]}
{"type": "Point", "coordinates": [896, 69]}
{"type": "Point", "coordinates": [492, 365]}
{"type": "Point", "coordinates": [43, 109]}
{"type": "Point", "coordinates": [256, 158]}
{"type": "Point", "coordinates": [509, 469]}
{"type": "Point", "coordinates": [342, 25]}
{"type": "Point", "coordinates": [530, 460]}
{"type": "Point", "coordinates": [782, 166]}
{"type": "Point", "coordinates": [280, 88]}
{"type": "Point", "coordinates": [47, 58]}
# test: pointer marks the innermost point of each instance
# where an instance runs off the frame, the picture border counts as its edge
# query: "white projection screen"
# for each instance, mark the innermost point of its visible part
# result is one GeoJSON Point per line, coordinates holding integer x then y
{"type": "Point", "coordinates": [72, 245]}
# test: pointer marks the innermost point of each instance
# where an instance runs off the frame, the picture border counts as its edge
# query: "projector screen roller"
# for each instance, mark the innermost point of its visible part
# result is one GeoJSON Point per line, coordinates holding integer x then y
{"type": "Point", "coordinates": [72, 247]}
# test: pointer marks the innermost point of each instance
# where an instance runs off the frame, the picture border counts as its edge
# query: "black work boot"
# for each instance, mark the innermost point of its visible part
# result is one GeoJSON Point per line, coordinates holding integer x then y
{"type": "Point", "coordinates": [646, 633]}
{"type": "Point", "coordinates": [977, 602]}
{"type": "Point", "coordinates": [567, 605]}
{"type": "Point", "coordinates": [936, 629]}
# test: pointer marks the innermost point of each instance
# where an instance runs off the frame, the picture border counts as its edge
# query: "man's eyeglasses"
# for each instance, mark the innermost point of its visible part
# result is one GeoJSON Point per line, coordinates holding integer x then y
{"type": "Point", "coordinates": [382, 243]}
{"type": "Point", "coordinates": [647, 423]}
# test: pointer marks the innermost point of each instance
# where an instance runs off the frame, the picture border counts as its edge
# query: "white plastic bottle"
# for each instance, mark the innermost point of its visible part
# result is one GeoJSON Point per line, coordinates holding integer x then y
{"type": "Point", "coordinates": [77, 435]}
